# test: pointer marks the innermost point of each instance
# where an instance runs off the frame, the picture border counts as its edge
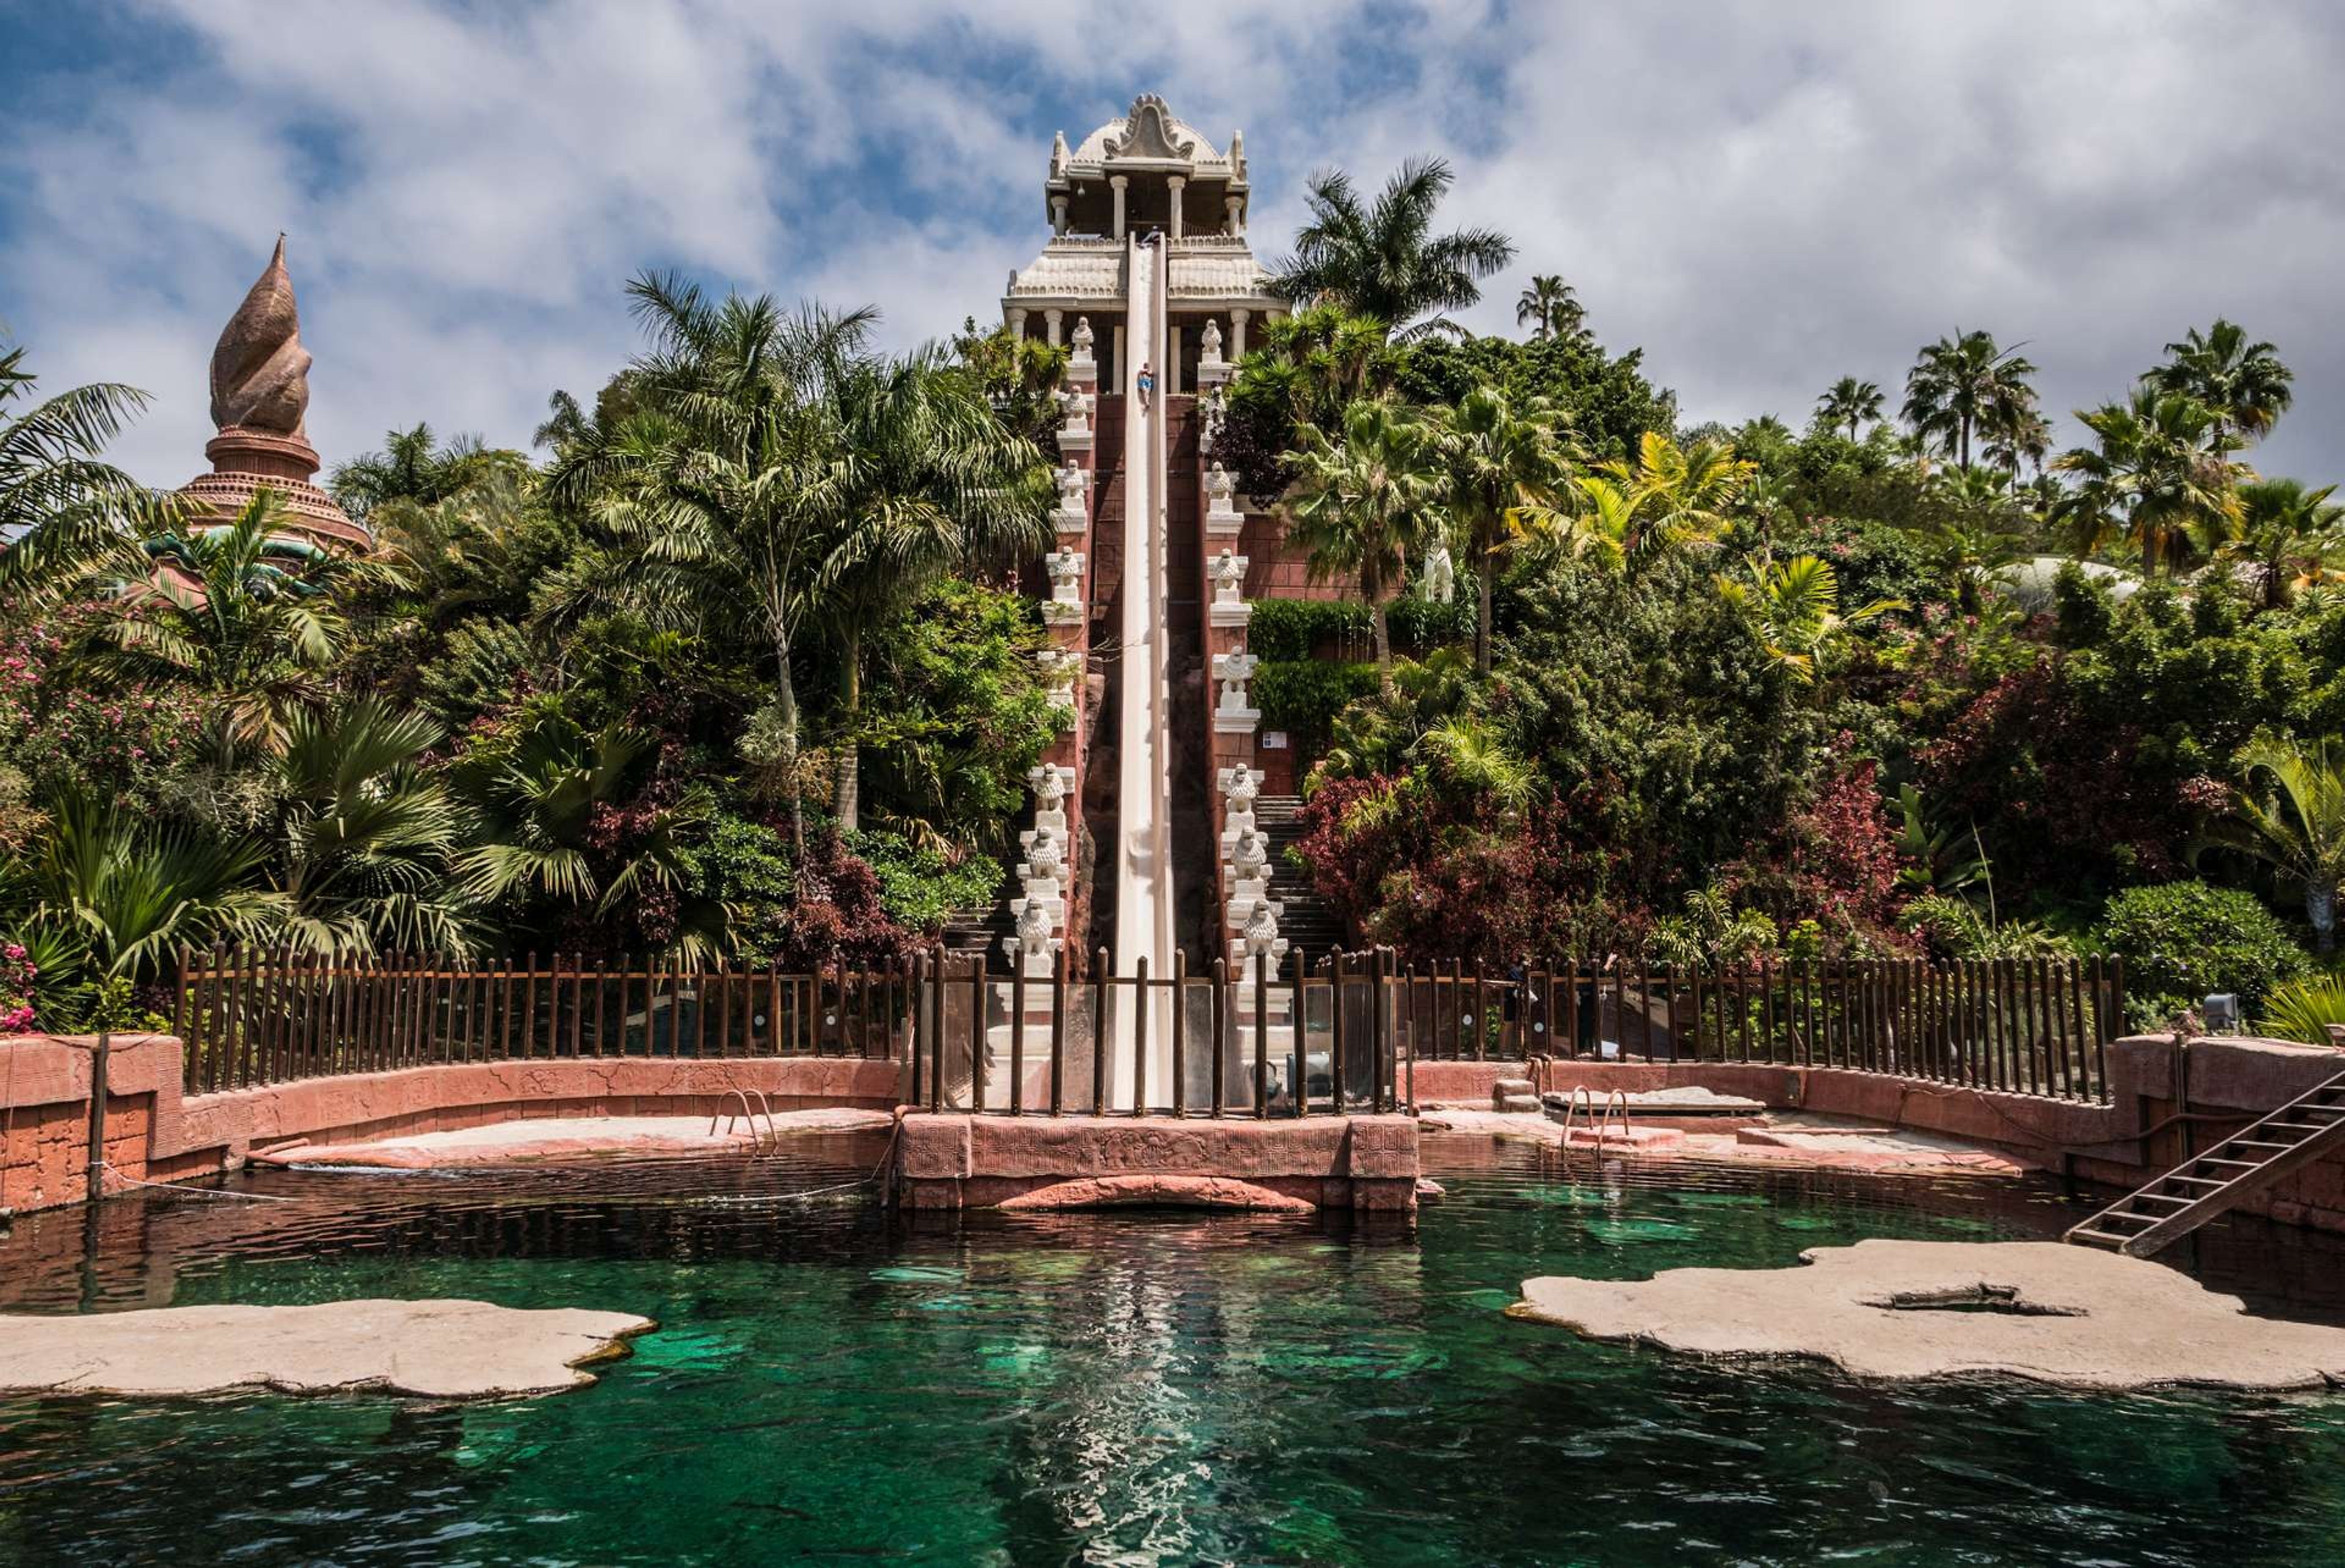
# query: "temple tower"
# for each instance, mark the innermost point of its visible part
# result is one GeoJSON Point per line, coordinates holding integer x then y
{"type": "Point", "coordinates": [259, 396]}
{"type": "Point", "coordinates": [1148, 260]}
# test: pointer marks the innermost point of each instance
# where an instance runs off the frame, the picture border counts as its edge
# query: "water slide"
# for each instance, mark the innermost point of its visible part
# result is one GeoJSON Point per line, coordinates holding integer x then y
{"type": "Point", "coordinates": [1143, 899]}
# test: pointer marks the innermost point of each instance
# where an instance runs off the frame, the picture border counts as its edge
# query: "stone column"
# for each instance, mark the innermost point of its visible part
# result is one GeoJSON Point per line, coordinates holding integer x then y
{"type": "Point", "coordinates": [1058, 215]}
{"type": "Point", "coordinates": [1238, 314]}
{"type": "Point", "coordinates": [1178, 184]}
{"type": "Point", "coordinates": [1116, 183]}
{"type": "Point", "coordinates": [1236, 205]}
{"type": "Point", "coordinates": [1050, 327]}
{"type": "Point", "coordinates": [1172, 380]}
{"type": "Point", "coordinates": [1017, 315]}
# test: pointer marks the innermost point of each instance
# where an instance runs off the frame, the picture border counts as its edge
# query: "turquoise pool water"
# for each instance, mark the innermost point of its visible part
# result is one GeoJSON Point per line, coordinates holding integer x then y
{"type": "Point", "coordinates": [830, 1385]}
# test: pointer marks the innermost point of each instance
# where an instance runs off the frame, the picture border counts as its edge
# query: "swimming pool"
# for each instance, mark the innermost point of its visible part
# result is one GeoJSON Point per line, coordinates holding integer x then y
{"type": "Point", "coordinates": [831, 1384]}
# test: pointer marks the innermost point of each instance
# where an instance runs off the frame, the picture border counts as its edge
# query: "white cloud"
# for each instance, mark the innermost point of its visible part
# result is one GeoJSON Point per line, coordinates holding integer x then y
{"type": "Point", "coordinates": [1764, 197]}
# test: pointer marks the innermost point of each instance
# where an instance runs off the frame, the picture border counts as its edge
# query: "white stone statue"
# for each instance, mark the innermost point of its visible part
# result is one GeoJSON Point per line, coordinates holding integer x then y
{"type": "Point", "coordinates": [1233, 670]}
{"type": "Point", "coordinates": [1228, 573]}
{"type": "Point", "coordinates": [1260, 936]}
{"type": "Point", "coordinates": [1249, 856]}
{"type": "Point", "coordinates": [1074, 486]}
{"type": "Point", "coordinates": [1049, 781]}
{"type": "Point", "coordinates": [1066, 569]}
{"type": "Point", "coordinates": [1060, 667]}
{"type": "Point", "coordinates": [1083, 337]}
{"type": "Point", "coordinates": [1438, 581]}
{"type": "Point", "coordinates": [1035, 932]}
{"type": "Point", "coordinates": [1077, 407]}
{"type": "Point", "coordinates": [1209, 348]}
{"type": "Point", "coordinates": [1243, 786]}
{"type": "Point", "coordinates": [1046, 857]}
{"type": "Point", "coordinates": [1221, 490]}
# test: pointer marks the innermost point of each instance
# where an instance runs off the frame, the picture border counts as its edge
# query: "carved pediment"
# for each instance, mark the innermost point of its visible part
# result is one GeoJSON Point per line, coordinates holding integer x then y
{"type": "Point", "coordinates": [1148, 134]}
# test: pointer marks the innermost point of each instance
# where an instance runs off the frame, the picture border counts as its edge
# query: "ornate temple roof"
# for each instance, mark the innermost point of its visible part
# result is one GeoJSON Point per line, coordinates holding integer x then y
{"type": "Point", "coordinates": [1149, 137]}
{"type": "Point", "coordinates": [260, 399]}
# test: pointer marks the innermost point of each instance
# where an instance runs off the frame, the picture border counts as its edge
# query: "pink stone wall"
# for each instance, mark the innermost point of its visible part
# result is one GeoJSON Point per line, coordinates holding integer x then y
{"type": "Point", "coordinates": [947, 1161]}
{"type": "Point", "coordinates": [152, 1133]}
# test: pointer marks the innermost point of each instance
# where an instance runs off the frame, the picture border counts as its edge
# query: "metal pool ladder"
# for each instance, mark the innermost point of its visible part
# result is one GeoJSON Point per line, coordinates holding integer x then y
{"type": "Point", "coordinates": [1614, 1115]}
{"type": "Point", "coordinates": [2206, 1185]}
{"type": "Point", "coordinates": [760, 1137]}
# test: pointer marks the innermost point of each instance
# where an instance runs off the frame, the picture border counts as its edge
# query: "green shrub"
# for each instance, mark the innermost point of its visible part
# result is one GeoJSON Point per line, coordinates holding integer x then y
{"type": "Point", "coordinates": [1303, 696]}
{"type": "Point", "coordinates": [2183, 941]}
{"type": "Point", "coordinates": [1292, 628]}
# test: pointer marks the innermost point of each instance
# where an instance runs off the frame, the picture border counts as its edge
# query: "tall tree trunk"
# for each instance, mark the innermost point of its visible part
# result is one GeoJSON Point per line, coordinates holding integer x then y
{"type": "Point", "coordinates": [1382, 628]}
{"type": "Point", "coordinates": [1483, 573]}
{"type": "Point", "coordinates": [847, 804]}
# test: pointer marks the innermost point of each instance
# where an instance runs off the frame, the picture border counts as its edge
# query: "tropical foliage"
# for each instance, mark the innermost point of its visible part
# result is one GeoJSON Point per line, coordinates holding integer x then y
{"type": "Point", "coordinates": [736, 666]}
{"type": "Point", "coordinates": [732, 675]}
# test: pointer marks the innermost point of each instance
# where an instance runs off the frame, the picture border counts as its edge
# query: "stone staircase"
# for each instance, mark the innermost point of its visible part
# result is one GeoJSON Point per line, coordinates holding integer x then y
{"type": "Point", "coordinates": [1306, 922]}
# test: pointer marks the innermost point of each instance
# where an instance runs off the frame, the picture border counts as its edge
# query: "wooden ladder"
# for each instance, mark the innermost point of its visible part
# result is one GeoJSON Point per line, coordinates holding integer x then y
{"type": "Point", "coordinates": [2206, 1185]}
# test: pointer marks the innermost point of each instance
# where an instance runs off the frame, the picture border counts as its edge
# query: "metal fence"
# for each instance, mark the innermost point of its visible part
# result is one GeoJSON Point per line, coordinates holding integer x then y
{"type": "Point", "coordinates": [1340, 1036]}
{"type": "Point", "coordinates": [2038, 1027]}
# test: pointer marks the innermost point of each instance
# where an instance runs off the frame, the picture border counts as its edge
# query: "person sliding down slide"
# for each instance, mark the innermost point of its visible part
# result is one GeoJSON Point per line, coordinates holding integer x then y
{"type": "Point", "coordinates": [1147, 385]}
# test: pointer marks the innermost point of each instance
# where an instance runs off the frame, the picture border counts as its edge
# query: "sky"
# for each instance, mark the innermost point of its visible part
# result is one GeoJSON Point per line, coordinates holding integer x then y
{"type": "Point", "coordinates": [1762, 197]}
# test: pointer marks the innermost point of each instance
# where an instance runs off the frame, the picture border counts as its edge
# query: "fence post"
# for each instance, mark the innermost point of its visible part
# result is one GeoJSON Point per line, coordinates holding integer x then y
{"type": "Point", "coordinates": [978, 1035]}
{"type": "Point", "coordinates": [1100, 977]}
{"type": "Point", "coordinates": [1261, 962]}
{"type": "Point", "coordinates": [1140, 1039]}
{"type": "Point", "coordinates": [1337, 1052]}
{"type": "Point", "coordinates": [1059, 1029]}
{"type": "Point", "coordinates": [1017, 1033]}
{"type": "Point", "coordinates": [1300, 1011]}
{"type": "Point", "coordinates": [1220, 989]}
{"type": "Point", "coordinates": [1180, 1042]}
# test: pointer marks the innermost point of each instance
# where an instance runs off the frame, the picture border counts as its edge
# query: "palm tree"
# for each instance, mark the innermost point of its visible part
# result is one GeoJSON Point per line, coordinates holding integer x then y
{"type": "Point", "coordinates": [1961, 383]}
{"type": "Point", "coordinates": [1505, 473]}
{"type": "Point", "coordinates": [2243, 382]}
{"type": "Point", "coordinates": [715, 495]}
{"type": "Point", "coordinates": [2160, 474]}
{"type": "Point", "coordinates": [113, 897]}
{"type": "Point", "coordinates": [1312, 364]}
{"type": "Point", "coordinates": [1794, 606]}
{"type": "Point", "coordinates": [2291, 536]}
{"type": "Point", "coordinates": [1674, 495]}
{"type": "Point", "coordinates": [242, 610]}
{"type": "Point", "coordinates": [1364, 503]}
{"type": "Point", "coordinates": [541, 809]}
{"type": "Point", "coordinates": [1551, 308]}
{"type": "Point", "coordinates": [365, 837]}
{"type": "Point", "coordinates": [62, 507]}
{"type": "Point", "coordinates": [2295, 823]}
{"type": "Point", "coordinates": [1851, 403]}
{"type": "Point", "coordinates": [1975, 533]}
{"type": "Point", "coordinates": [924, 477]}
{"type": "Point", "coordinates": [2017, 432]}
{"type": "Point", "coordinates": [413, 469]}
{"type": "Point", "coordinates": [1383, 260]}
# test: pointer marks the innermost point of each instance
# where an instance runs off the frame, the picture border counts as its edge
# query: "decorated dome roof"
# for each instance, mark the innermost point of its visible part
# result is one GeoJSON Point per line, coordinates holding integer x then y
{"type": "Point", "coordinates": [1149, 136]}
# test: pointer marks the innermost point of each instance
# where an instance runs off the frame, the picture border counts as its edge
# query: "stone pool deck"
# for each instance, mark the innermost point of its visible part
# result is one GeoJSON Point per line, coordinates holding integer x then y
{"type": "Point", "coordinates": [1774, 1138]}
{"type": "Point", "coordinates": [570, 1138]}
